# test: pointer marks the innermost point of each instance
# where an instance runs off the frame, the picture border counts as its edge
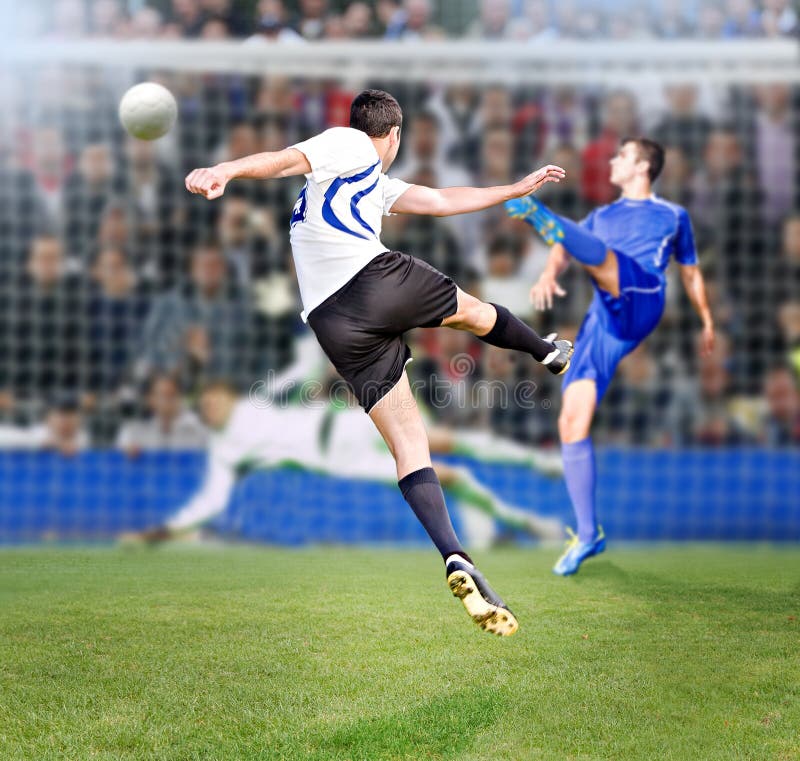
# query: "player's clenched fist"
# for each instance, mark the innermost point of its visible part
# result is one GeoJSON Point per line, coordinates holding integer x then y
{"type": "Point", "coordinates": [535, 180]}
{"type": "Point", "coordinates": [208, 182]}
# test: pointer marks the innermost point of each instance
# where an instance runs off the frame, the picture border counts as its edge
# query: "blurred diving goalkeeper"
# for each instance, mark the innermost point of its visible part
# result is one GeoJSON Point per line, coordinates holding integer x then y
{"type": "Point", "coordinates": [339, 440]}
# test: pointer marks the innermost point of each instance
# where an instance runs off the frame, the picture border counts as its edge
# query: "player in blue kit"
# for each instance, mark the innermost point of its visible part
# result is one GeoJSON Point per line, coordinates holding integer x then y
{"type": "Point", "coordinates": [625, 248]}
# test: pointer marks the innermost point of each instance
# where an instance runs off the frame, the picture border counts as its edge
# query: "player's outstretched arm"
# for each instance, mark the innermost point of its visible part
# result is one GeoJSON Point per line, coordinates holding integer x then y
{"type": "Point", "coordinates": [692, 279]}
{"type": "Point", "coordinates": [210, 501]}
{"type": "Point", "coordinates": [446, 202]}
{"type": "Point", "coordinates": [211, 181]}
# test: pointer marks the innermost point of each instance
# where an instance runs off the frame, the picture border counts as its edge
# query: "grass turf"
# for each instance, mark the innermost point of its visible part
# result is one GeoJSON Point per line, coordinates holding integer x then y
{"type": "Point", "coordinates": [197, 653]}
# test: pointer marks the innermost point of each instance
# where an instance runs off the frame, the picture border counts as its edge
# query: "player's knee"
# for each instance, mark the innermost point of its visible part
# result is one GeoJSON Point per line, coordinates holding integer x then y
{"type": "Point", "coordinates": [572, 425]}
{"type": "Point", "coordinates": [473, 315]}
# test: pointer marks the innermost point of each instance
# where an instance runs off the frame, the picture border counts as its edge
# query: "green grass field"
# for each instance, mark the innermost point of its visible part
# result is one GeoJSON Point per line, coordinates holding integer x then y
{"type": "Point", "coordinates": [200, 653]}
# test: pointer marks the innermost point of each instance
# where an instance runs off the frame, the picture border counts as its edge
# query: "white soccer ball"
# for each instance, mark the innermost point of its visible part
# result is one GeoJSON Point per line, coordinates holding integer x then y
{"type": "Point", "coordinates": [148, 110]}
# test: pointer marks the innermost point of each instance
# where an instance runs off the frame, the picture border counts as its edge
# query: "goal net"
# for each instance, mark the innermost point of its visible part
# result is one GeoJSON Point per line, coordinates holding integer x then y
{"type": "Point", "coordinates": [122, 296]}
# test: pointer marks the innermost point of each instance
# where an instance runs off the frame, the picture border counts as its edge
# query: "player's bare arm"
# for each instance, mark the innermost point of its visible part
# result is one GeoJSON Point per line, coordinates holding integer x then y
{"type": "Point", "coordinates": [210, 182]}
{"type": "Point", "coordinates": [446, 202]}
{"type": "Point", "coordinates": [546, 287]}
{"type": "Point", "coordinates": [692, 279]}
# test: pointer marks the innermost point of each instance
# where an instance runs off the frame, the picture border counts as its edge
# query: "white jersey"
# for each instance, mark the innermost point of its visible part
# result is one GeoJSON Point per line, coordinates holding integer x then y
{"type": "Point", "coordinates": [343, 443]}
{"type": "Point", "coordinates": [336, 221]}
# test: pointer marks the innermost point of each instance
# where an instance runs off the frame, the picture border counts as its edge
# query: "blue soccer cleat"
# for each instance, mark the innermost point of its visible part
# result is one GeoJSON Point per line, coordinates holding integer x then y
{"type": "Point", "coordinates": [578, 551]}
{"type": "Point", "coordinates": [538, 216]}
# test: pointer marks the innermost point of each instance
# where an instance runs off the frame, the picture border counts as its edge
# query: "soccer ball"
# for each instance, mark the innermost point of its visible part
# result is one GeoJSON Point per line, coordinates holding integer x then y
{"type": "Point", "coordinates": [148, 111]}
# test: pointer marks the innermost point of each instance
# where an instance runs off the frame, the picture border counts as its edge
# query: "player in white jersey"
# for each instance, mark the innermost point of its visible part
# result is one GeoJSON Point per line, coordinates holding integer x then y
{"type": "Point", "coordinates": [360, 299]}
{"type": "Point", "coordinates": [338, 440]}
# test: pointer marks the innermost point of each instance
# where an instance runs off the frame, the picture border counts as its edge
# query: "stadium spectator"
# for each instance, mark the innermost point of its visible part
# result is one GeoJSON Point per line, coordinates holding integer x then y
{"type": "Point", "coordinates": [671, 22]}
{"type": "Point", "coordinates": [683, 126]}
{"type": "Point", "coordinates": [146, 24]}
{"type": "Point", "coordinates": [188, 17]}
{"type": "Point", "coordinates": [455, 108]}
{"type": "Point", "coordinates": [494, 21]}
{"type": "Point", "coordinates": [153, 194]}
{"type": "Point", "coordinates": [69, 20]}
{"type": "Point", "coordinates": [536, 24]}
{"type": "Point", "coordinates": [565, 197]}
{"type": "Point", "coordinates": [49, 166]}
{"type": "Point", "coordinates": [245, 234]}
{"type": "Point", "coordinates": [240, 140]}
{"type": "Point", "coordinates": [42, 326]}
{"type": "Point", "coordinates": [202, 328]}
{"type": "Point", "coordinates": [725, 212]}
{"type": "Point", "coordinates": [638, 407]}
{"type": "Point", "coordinates": [742, 19]}
{"type": "Point", "coordinates": [391, 16]}
{"type": "Point", "coordinates": [169, 426]}
{"type": "Point", "coordinates": [781, 424]}
{"type": "Point", "coordinates": [115, 314]}
{"type": "Point", "coordinates": [86, 193]}
{"type": "Point", "coordinates": [778, 18]}
{"type": "Point", "coordinates": [708, 416]}
{"type": "Point", "coordinates": [511, 398]}
{"type": "Point", "coordinates": [503, 281]}
{"type": "Point", "coordinates": [227, 12]}
{"type": "Point", "coordinates": [674, 184]}
{"type": "Point", "coordinates": [271, 27]}
{"type": "Point", "coordinates": [357, 20]}
{"type": "Point", "coordinates": [215, 29]}
{"type": "Point", "coordinates": [710, 20]}
{"type": "Point", "coordinates": [785, 280]}
{"type": "Point", "coordinates": [775, 150]}
{"type": "Point", "coordinates": [29, 203]}
{"type": "Point", "coordinates": [416, 23]}
{"type": "Point", "coordinates": [496, 168]}
{"type": "Point", "coordinates": [107, 19]}
{"type": "Point", "coordinates": [565, 118]}
{"type": "Point", "coordinates": [310, 22]}
{"type": "Point", "coordinates": [619, 120]}
{"type": "Point", "coordinates": [61, 430]}
{"type": "Point", "coordinates": [495, 109]}
{"type": "Point", "coordinates": [789, 322]}
{"type": "Point", "coordinates": [432, 239]}
{"type": "Point", "coordinates": [423, 163]}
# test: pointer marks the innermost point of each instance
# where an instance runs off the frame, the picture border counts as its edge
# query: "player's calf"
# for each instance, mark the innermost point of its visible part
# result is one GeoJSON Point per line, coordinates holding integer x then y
{"type": "Point", "coordinates": [496, 325]}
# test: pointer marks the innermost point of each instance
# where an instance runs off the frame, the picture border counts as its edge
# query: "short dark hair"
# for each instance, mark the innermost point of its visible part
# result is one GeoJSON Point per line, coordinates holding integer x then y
{"type": "Point", "coordinates": [649, 151]}
{"type": "Point", "coordinates": [375, 112]}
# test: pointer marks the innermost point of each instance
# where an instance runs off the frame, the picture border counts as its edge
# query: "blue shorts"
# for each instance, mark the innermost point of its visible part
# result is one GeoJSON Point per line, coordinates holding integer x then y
{"type": "Point", "coordinates": [615, 326]}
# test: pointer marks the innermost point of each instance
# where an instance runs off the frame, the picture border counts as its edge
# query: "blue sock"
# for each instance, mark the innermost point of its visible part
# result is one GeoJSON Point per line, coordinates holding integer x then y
{"type": "Point", "coordinates": [579, 473]}
{"type": "Point", "coordinates": [584, 246]}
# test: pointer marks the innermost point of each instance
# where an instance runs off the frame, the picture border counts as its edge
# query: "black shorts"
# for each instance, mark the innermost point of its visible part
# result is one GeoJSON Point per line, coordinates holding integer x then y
{"type": "Point", "coordinates": [361, 326]}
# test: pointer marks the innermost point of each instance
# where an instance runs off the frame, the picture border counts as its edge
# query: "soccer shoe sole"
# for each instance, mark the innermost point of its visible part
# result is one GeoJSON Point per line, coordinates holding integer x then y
{"type": "Point", "coordinates": [565, 368]}
{"type": "Point", "coordinates": [490, 618]}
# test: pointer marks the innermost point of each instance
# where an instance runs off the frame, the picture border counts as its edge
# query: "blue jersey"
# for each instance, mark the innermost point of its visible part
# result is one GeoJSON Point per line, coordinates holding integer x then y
{"type": "Point", "coordinates": [649, 231]}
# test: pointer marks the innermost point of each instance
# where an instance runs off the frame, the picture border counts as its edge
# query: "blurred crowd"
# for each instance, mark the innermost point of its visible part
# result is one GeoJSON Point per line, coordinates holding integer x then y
{"type": "Point", "coordinates": [520, 20]}
{"type": "Point", "coordinates": [122, 293]}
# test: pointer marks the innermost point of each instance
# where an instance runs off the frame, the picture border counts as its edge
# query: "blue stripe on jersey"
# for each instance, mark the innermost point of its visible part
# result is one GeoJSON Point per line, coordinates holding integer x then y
{"type": "Point", "coordinates": [327, 211]}
{"type": "Point", "coordinates": [354, 203]}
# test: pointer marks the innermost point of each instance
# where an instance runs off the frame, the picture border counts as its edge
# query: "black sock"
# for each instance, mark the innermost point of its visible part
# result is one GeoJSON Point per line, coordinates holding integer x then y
{"type": "Point", "coordinates": [423, 492]}
{"type": "Point", "coordinates": [509, 332]}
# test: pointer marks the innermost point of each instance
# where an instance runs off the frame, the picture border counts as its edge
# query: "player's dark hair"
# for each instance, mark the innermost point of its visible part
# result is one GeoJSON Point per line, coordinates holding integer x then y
{"type": "Point", "coordinates": [651, 152]}
{"type": "Point", "coordinates": [375, 112]}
